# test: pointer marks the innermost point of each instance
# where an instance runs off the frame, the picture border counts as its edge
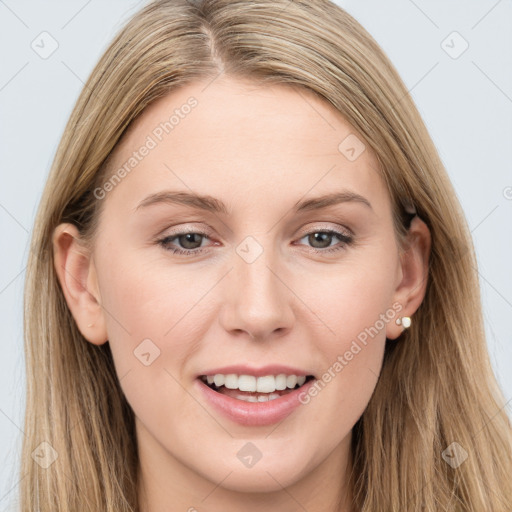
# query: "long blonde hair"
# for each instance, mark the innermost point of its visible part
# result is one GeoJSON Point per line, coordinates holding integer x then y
{"type": "Point", "coordinates": [437, 385]}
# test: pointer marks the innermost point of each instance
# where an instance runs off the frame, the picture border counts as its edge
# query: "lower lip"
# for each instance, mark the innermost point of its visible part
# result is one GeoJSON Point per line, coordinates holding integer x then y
{"type": "Point", "coordinates": [255, 414]}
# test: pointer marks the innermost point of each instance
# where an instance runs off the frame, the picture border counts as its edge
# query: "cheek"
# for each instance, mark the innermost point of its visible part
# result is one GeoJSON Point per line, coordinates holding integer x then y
{"type": "Point", "coordinates": [354, 301]}
{"type": "Point", "coordinates": [145, 296]}
{"type": "Point", "coordinates": [354, 304]}
{"type": "Point", "coordinates": [152, 320]}
{"type": "Point", "coordinates": [144, 308]}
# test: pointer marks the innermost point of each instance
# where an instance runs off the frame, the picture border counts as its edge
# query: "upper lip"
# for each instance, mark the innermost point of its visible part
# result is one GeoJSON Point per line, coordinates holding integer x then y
{"type": "Point", "coordinates": [241, 369]}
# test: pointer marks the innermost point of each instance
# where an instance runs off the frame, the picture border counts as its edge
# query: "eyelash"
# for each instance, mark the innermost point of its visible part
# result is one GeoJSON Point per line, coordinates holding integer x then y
{"type": "Point", "coordinates": [164, 242]}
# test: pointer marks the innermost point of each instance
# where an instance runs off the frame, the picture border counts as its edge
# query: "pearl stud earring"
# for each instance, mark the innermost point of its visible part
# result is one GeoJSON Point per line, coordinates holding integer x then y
{"type": "Point", "coordinates": [404, 321]}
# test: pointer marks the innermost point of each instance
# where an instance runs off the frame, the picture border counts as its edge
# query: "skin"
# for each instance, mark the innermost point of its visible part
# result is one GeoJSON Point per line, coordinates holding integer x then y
{"type": "Point", "coordinates": [259, 150]}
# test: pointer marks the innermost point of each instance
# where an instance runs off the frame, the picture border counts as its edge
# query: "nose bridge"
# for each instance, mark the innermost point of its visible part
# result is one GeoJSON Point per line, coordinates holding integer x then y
{"type": "Point", "coordinates": [258, 300]}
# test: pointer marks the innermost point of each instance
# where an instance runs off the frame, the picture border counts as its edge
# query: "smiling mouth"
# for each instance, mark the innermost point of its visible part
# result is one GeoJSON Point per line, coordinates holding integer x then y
{"type": "Point", "coordinates": [253, 396]}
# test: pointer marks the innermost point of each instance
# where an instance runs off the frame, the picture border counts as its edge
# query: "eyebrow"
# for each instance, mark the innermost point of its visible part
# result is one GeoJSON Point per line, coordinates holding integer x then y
{"type": "Point", "coordinates": [214, 205]}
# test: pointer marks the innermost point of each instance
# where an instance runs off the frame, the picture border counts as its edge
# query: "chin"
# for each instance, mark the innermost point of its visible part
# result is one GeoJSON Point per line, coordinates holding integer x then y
{"type": "Point", "coordinates": [257, 480]}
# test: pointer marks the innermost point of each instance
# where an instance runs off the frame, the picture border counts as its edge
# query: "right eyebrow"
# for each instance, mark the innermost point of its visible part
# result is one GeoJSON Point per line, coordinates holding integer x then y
{"type": "Point", "coordinates": [203, 202]}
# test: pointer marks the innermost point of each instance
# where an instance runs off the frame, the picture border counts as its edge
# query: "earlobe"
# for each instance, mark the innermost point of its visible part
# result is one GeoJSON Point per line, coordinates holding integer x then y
{"type": "Point", "coordinates": [77, 276]}
{"type": "Point", "coordinates": [414, 263]}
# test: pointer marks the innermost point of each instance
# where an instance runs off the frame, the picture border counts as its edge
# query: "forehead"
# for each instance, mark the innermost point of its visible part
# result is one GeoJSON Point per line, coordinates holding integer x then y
{"type": "Point", "coordinates": [230, 136]}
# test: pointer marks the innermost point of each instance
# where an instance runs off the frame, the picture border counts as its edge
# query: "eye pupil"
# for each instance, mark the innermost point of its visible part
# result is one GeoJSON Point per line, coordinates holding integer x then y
{"type": "Point", "coordinates": [323, 238]}
{"type": "Point", "coordinates": [185, 240]}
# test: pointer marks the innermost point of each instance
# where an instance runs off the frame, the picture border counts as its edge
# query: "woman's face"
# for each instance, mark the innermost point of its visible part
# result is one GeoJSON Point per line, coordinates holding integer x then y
{"type": "Point", "coordinates": [270, 280]}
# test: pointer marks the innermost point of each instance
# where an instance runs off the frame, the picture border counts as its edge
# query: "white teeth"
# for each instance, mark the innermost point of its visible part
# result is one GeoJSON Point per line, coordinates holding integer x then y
{"type": "Point", "coordinates": [266, 384]}
{"type": "Point", "coordinates": [250, 383]}
{"type": "Point", "coordinates": [247, 383]}
{"type": "Point", "coordinates": [281, 382]}
{"type": "Point", "coordinates": [218, 379]}
{"type": "Point", "coordinates": [260, 398]}
{"type": "Point", "coordinates": [231, 381]}
{"type": "Point", "coordinates": [291, 381]}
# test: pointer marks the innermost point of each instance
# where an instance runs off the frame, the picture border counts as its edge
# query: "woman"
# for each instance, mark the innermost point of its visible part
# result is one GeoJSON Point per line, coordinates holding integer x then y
{"type": "Point", "coordinates": [258, 283]}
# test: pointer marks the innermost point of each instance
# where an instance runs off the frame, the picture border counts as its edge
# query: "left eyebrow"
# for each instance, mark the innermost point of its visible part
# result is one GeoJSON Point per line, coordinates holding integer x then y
{"type": "Point", "coordinates": [344, 196]}
{"type": "Point", "coordinates": [214, 205]}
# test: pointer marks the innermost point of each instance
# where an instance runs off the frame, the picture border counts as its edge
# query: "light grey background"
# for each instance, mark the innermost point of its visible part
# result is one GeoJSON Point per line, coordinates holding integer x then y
{"type": "Point", "coordinates": [465, 101]}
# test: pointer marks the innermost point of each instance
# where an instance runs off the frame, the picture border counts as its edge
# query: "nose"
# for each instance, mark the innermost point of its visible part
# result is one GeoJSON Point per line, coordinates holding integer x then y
{"type": "Point", "coordinates": [257, 301]}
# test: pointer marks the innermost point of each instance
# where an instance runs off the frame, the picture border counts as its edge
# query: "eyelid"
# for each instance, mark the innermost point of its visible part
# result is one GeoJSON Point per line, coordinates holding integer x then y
{"type": "Point", "coordinates": [190, 228]}
{"type": "Point", "coordinates": [326, 226]}
{"type": "Point", "coordinates": [187, 228]}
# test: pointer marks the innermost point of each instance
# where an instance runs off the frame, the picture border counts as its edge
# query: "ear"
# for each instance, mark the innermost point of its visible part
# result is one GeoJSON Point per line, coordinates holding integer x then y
{"type": "Point", "coordinates": [412, 274]}
{"type": "Point", "coordinates": [77, 276]}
